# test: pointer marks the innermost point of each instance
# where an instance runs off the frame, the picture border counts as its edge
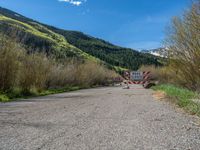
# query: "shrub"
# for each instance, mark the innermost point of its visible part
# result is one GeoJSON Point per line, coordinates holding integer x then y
{"type": "Point", "coordinates": [62, 74]}
{"type": "Point", "coordinates": [184, 51]}
{"type": "Point", "coordinates": [184, 48]}
{"type": "Point", "coordinates": [34, 71]}
{"type": "Point", "coordinates": [163, 74]}
{"type": "Point", "coordinates": [91, 73]}
{"type": "Point", "coordinates": [25, 73]}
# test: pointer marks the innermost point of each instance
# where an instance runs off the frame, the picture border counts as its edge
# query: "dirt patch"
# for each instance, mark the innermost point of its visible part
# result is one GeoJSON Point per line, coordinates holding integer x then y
{"type": "Point", "coordinates": [159, 95]}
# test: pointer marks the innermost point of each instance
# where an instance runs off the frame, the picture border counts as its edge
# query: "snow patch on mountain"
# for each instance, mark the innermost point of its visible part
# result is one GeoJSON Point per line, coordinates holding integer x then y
{"type": "Point", "coordinates": [161, 52]}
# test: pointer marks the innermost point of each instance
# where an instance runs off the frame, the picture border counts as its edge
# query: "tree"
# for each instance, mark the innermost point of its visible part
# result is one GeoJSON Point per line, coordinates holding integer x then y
{"type": "Point", "coordinates": [184, 47]}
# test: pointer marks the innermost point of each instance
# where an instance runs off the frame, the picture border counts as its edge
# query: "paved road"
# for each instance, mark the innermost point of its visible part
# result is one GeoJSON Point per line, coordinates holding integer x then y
{"type": "Point", "coordinates": [97, 119]}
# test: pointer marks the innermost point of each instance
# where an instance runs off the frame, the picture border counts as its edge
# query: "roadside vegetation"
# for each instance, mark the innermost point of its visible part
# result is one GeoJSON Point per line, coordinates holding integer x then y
{"type": "Point", "coordinates": [180, 77]}
{"type": "Point", "coordinates": [26, 74]}
{"type": "Point", "coordinates": [184, 98]}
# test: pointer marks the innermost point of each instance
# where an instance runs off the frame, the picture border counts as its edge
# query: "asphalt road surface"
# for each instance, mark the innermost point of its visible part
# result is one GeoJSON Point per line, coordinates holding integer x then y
{"type": "Point", "coordinates": [97, 119]}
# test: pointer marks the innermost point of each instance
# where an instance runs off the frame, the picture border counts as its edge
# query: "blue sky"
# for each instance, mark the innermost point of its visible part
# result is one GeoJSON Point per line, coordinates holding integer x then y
{"type": "Point", "coordinates": [138, 24]}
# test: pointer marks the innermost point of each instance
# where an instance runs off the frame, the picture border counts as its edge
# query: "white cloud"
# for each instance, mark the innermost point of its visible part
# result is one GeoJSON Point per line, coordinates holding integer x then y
{"type": "Point", "coordinates": [73, 2]}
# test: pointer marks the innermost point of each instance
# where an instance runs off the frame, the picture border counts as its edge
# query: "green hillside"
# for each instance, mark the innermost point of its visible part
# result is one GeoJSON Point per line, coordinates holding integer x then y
{"type": "Point", "coordinates": [63, 43]}
{"type": "Point", "coordinates": [114, 55]}
{"type": "Point", "coordinates": [35, 36]}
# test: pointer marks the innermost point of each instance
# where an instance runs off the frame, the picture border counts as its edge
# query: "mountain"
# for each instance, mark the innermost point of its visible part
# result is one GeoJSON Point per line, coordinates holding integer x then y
{"type": "Point", "coordinates": [36, 37]}
{"type": "Point", "coordinates": [160, 52]}
{"type": "Point", "coordinates": [62, 44]}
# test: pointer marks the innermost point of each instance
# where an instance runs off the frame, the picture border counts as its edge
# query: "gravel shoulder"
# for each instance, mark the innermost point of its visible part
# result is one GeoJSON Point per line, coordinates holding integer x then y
{"type": "Point", "coordinates": [96, 119]}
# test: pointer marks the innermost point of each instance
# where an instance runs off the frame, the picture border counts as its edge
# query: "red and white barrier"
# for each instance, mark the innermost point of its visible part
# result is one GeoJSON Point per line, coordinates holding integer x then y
{"type": "Point", "coordinates": [136, 82]}
{"type": "Point", "coordinates": [146, 75]}
{"type": "Point", "coordinates": [145, 78]}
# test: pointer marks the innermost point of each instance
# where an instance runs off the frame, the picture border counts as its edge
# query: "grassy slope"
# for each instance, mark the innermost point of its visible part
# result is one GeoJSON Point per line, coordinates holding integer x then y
{"type": "Point", "coordinates": [184, 98]}
{"type": "Point", "coordinates": [43, 32]}
{"type": "Point", "coordinates": [60, 44]}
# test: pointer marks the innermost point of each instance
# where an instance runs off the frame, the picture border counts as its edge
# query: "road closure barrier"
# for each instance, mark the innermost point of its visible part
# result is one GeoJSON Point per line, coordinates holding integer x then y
{"type": "Point", "coordinates": [137, 77]}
